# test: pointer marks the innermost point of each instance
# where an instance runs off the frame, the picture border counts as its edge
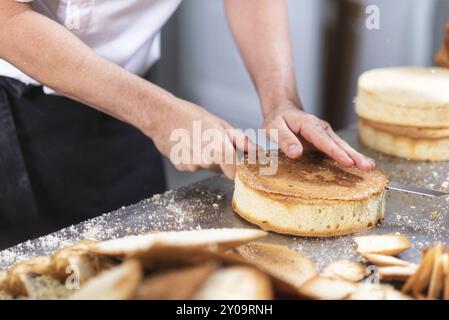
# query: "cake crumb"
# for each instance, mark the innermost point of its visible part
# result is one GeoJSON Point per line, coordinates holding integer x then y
{"type": "Point", "coordinates": [434, 214]}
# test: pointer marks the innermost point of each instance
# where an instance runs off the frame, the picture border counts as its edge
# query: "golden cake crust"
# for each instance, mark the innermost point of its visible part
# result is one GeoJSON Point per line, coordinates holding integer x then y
{"type": "Point", "coordinates": [314, 177]}
{"type": "Point", "coordinates": [417, 133]}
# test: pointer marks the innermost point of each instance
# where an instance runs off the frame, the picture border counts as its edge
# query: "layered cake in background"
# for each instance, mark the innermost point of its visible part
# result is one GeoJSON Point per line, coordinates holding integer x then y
{"type": "Point", "coordinates": [312, 197]}
{"type": "Point", "coordinates": [404, 112]}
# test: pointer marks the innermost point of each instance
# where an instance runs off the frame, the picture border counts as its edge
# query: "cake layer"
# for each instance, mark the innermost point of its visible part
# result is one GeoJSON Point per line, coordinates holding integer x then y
{"type": "Point", "coordinates": [312, 196]}
{"type": "Point", "coordinates": [401, 145]}
{"type": "Point", "coordinates": [406, 96]}
{"type": "Point", "coordinates": [307, 219]}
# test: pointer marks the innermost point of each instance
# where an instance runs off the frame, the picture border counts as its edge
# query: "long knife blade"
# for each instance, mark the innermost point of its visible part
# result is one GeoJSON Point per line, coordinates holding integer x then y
{"type": "Point", "coordinates": [416, 190]}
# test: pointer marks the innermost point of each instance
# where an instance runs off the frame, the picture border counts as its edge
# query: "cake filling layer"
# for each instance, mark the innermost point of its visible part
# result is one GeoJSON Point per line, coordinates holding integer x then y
{"type": "Point", "coordinates": [408, 131]}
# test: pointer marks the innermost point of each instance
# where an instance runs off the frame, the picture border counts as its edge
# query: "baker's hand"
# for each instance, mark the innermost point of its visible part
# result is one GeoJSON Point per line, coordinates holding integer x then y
{"type": "Point", "coordinates": [194, 139]}
{"type": "Point", "coordinates": [442, 57]}
{"type": "Point", "coordinates": [294, 124]}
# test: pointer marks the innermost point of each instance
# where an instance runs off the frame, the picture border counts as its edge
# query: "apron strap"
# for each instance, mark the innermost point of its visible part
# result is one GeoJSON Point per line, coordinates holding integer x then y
{"type": "Point", "coordinates": [17, 204]}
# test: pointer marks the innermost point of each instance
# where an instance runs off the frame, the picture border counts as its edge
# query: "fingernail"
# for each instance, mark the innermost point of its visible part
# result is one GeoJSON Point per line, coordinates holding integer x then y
{"type": "Point", "coordinates": [293, 150]}
{"type": "Point", "coordinates": [370, 163]}
{"type": "Point", "coordinates": [350, 162]}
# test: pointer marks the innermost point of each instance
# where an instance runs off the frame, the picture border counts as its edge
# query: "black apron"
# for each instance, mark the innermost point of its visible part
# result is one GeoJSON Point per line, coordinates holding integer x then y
{"type": "Point", "coordinates": [62, 162]}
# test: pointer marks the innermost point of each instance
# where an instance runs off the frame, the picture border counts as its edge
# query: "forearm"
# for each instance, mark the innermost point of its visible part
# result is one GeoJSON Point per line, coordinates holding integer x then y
{"type": "Point", "coordinates": [260, 28]}
{"type": "Point", "coordinates": [55, 57]}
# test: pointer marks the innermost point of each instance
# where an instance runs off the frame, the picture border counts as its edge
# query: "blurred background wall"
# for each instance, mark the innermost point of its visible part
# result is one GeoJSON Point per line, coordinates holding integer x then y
{"type": "Point", "coordinates": [332, 47]}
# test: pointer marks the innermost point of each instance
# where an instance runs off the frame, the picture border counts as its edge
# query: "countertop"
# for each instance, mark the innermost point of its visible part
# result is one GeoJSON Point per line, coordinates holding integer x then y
{"type": "Point", "coordinates": [207, 204]}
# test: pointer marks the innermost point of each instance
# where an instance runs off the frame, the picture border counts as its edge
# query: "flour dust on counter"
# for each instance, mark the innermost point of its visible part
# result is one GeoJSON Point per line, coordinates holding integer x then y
{"type": "Point", "coordinates": [207, 204]}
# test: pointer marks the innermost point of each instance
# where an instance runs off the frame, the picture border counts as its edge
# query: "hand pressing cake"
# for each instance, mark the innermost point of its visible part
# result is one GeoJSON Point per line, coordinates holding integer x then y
{"type": "Point", "coordinates": [311, 197]}
{"type": "Point", "coordinates": [404, 112]}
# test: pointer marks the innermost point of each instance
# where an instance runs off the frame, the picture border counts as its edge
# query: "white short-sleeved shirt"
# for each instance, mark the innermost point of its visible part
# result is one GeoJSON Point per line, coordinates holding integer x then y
{"type": "Point", "coordinates": [126, 32]}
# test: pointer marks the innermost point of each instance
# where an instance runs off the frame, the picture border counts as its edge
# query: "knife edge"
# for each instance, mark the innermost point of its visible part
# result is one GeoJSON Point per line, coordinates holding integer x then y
{"type": "Point", "coordinates": [416, 190]}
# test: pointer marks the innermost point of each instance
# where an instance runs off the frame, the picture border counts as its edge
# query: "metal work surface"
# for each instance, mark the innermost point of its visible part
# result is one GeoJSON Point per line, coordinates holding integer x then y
{"type": "Point", "coordinates": [207, 204]}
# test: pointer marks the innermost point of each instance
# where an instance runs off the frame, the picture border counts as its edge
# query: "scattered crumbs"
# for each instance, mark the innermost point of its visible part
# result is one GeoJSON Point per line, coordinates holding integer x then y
{"type": "Point", "coordinates": [434, 214]}
{"type": "Point", "coordinates": [7, 256]}
{"type": "Point", "coordinates": [193, 208]}
{"type": "Point", "coordinates": [215, 205]}
{"type": "Point", "coordinates": [51, 240]}
{"type": "Point", "coordinates": [419, 245]}
{"type": "Point", "coordinates": [95, 231]}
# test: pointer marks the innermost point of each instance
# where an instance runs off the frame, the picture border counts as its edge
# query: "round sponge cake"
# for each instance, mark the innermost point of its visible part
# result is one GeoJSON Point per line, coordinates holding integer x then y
{"type": "Point", "coordinates": [405, 112]}
{"type": "Point", "coordinates": [312, 197]}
